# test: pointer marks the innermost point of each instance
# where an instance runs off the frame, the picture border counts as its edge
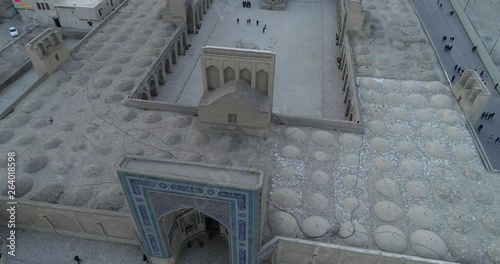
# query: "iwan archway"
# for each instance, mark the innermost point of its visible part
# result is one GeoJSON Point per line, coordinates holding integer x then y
{"type": "Point", "coordinates": [194, 236]}
{"type": "Point", "coordinates": [233, 196]}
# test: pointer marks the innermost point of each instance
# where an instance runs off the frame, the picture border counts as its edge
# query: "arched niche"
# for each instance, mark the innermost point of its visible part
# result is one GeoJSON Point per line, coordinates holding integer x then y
{"type": "Point", "coordinates": [213, 78]}
{"type": "Point", "coordinates": [229, 74]}
{"type": "Point", "coordinates": [262, 81]}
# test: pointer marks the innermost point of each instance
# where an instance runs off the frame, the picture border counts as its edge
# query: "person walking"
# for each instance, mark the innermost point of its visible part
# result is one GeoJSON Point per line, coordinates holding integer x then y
{"type": "Point", "coordinates": [496, 140]}
{"type": "Point", "coordinates": [264, 29]}
{"type": "Point", "coordinates": [244, 4]}
{"type": "Point", "coordinates": [452, 78]}
{"type": "Point", "coordinates": [489, 139]}
{"type": "Point", "coordinates": [440, 6]}
{"type": "Point", "coordinates": [451, 13]}
{"type": "Point", "coordinates": [438, 2]}
{"type": "Point", "coordinates": [189, 244]}
{"type": "Point", "coordinates": [483, 115]}
{"type": "Point", "coordinates": [451, 47]}
{"type": "Point", "coordinates": [444, 38]}
{"type": "Point", "coordinates": [496, 85]}
{"type": "Point", "coordinates": [201, 244]}
{"type": "Point", "coordinates": [456, 66]}
{"type": "Point", "coordinates": [481, 74]}
{"type": "Point", "coordinates": [210, 235]}
{"type": "Point", "coordinates": [479, 128]}
{"type": "Point", "coordinates": [452, 39]}
{"type": "Point", "coordinates": [237, 20]}
{"type": "Point", "coordinates": [460, 68]}
{"type": "Point", "coordinates": [249, 4]}
{"type": "Point", "coordinates": [257, 22]}
{"type": "Point", "coordinates": [445, 47]}
{"type": "Point", "coordinates": [493, 115]}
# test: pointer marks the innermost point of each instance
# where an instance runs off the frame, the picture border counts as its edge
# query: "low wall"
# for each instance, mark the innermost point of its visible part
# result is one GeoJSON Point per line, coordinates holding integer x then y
{"type": "Point", "coordinates": [297, 251]}
{"type": "Point", "coordinates": [108, 226]}
{"type": "Point", "coordinates": [490, 66]}
{"type": "Point", "coordinates": [16, 69]}
{"type": "Point", "coordinates": [336, 125]}
{"type": "Point", "coordinates": [98, 27]}
{"type": "Point", "coordinates": [13, 104]}
{"type": "Point", "coordinates": [16, 75]}
{"type": "Point", "coordinates": [161, 106]}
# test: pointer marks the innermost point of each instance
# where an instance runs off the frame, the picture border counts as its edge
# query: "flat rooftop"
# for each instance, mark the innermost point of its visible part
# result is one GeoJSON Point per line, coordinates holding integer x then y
{"type": "Point", "coordinates": [74, 3]}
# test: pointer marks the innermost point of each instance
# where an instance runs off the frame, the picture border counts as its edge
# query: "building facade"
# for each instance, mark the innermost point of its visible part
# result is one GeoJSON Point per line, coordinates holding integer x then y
{"type": "Point", "coordinates": [68, 14]}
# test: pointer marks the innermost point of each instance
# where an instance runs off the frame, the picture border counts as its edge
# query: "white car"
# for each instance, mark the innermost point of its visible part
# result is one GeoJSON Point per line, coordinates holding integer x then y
{"type": "Point", "coordinates": [13, 32]}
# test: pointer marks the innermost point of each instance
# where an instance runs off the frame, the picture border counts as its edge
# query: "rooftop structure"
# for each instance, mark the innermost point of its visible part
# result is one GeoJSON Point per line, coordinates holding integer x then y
{"type": "Point", "coordinates": [69, 14]}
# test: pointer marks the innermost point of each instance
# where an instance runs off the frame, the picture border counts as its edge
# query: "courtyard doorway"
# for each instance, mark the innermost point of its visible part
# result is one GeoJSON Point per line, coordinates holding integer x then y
{"type": "Point", "coordinates": [194, 237]}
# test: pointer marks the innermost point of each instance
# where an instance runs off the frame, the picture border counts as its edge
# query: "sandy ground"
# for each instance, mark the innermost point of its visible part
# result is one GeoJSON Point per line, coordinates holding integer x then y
{"type": "Point", "coordinates": [483, 15]}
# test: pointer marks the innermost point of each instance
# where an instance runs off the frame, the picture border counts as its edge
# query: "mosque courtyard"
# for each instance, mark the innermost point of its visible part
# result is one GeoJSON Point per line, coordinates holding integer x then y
{"type": "Point", "coordinates": [307, 80]}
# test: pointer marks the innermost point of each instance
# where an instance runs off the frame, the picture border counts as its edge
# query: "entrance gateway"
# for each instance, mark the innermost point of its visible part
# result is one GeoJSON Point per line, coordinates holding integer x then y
{"type": "Point", "coordinates": [228, 196]}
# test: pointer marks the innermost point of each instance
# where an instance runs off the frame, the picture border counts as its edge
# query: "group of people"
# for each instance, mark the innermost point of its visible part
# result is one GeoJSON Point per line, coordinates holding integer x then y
{"type": "Point", "coordinates": [488, 116]}
{"type": "Point", "coordinates": [446, 37]}
{"type": "Point", "coordinates": [249, 21]}
{"type": "Point", "coordinates": [247, 4]}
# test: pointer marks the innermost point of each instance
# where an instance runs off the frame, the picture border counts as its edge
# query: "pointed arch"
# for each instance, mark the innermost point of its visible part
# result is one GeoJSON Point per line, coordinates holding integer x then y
{"type": "Point", "coordinates": [228, 74]}
{"type": "Point", "coordinates": [196, 18]}
{"type": "Point", "coordinates": [191, 26]}
{"type": "Point", "coordinates": [168, 67]}
{"type": "Point", "coordinates": [246, 75]}
{"type": "Point", "coordinates": [180, 48]}
{"type": "Point", "coordinates": [262, 81]}
{"type": "Point", "coordinates": [161, 75]}
{"type": "Point", "coordinates": [174, 56]}
{"type": "Point", "coordinates": [184, 38]}
{"type": "Point", "coordinates": [144, 95]}
{"type": "Point", "coordinates": [153, 87]}
{"type": "Point", "coordinates": [213, 78]}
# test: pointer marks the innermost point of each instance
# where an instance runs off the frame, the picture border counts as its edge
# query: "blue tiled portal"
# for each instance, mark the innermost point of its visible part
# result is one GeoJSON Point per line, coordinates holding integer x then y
{"type": "Point", "coordinates": [152, 197]}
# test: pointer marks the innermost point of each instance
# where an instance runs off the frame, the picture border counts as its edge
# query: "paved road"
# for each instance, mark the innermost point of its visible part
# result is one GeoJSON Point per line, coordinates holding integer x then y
{"type": "Point", "coordinates": [14, 21]}
{"type": "Point", "coordinates": [439, 23]}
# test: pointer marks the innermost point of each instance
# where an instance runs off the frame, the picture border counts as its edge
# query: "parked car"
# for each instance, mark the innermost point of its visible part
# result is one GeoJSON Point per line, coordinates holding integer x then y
{"type": "Point", "coordinates": [13, 32]}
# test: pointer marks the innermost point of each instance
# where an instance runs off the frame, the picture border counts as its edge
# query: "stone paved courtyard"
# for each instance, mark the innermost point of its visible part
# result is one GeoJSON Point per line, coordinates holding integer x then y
{"type": "Point", "coordinates": [307, 81]}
